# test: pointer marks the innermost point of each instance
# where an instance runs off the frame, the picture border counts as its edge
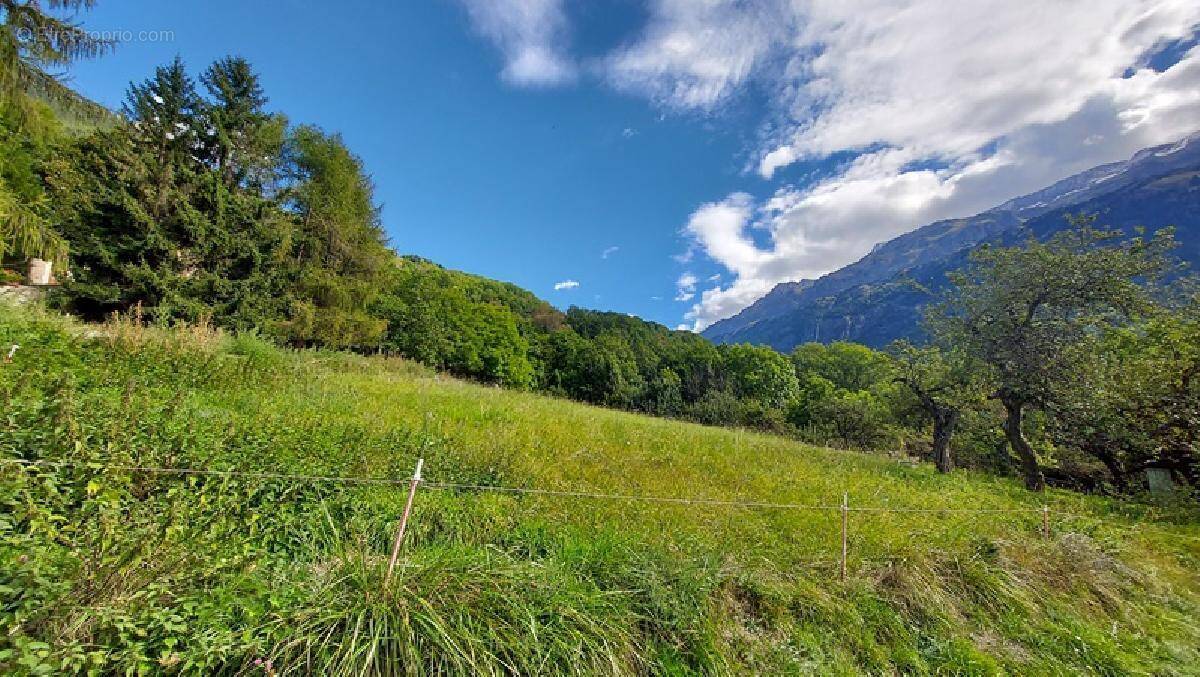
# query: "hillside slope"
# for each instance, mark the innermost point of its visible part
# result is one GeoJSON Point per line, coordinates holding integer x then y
{"type": "Point", "coordinates": [107, 565]}
{"type": "Point", "coordinates": [872, 301]}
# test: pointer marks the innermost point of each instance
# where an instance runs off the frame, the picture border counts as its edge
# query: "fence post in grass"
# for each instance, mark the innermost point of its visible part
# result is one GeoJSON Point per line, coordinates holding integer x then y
{"type": "Point", "coordinates": [1045, 521]}
{"type": "Point", "coordinates": [412, 492]}
{"type": "Point", "coordinates": [11, 352]}
{"type": "Point", "coordinates": [845, 527]}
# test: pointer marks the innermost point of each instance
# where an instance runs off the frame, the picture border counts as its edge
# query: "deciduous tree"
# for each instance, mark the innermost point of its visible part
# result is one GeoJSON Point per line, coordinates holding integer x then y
{"type": "Point", "coordinates": [943, 383]}
{"type": "Point", "coordinates": [1019, 309]}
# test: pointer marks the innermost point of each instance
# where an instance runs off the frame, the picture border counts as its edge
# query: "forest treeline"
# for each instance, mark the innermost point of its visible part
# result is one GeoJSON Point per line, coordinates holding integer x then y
{"type": "Point", "coordinates": [1076, 358]}
{"type": "Point", "coordinates": [1074, 361]}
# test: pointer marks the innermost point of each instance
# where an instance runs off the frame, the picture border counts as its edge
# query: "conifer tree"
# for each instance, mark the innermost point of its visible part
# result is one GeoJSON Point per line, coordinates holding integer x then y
{"type": "Point", "coordinates": [33, 43]}
{"type": "Point", "coordinates": [240, 136]}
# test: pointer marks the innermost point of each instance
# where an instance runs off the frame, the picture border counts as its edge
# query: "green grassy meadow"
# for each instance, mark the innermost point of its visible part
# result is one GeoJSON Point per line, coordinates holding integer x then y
{"type": "Point", "coordinates": [128, 571]}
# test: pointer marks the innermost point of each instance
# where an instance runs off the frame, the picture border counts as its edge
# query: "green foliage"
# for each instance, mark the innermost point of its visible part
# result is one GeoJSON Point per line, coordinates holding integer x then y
{"type": "Point", "coordinates": [856, 418]}
{"type": "Point", "coordinates": [24, 229]}
{"type": "Point", "coordinates": [848, 366]}
{"type": "Point", "coordinates": [163, 113]}
{"type": "Point", "coordinates": [814, 390]}
{"type": "Point", "coordinates": [665, 393]}
{"type": "Point", "coordinates": [943, 385]}
{"type": "Point", "coordinates": [241, 137]}
{"type": "Point", "coordinates": [432, 318]}
{"type": "Point", "coordinates": [718, 407]}
{"type": "Point", "coordinates": [116, 571]}
{"type": "Point", "coordinates": [1018, 308]}
{"type": "Point", "coordinates": [338, 245]}
{"type": "Point", "coordinates": [1019, 311]}
{"type": "Point", "coordinates": [34, 46]}
{"type": "Point", "coordinates": [196, 208]}
{"type": "Point", "coordinates": [636, 356]}
{"type": "Point", "coordinates": [1132, 397]}
{"type": "Point", "coordinates": [846, 395]}
{"type": "Point", "coordinates": [760, 374]}
{"type": "Point", "coordinates": [209, 252]}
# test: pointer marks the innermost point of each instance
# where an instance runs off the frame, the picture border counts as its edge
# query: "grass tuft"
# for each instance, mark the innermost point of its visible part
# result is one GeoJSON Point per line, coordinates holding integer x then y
{"type": "Point", "coordinates": [110, 571]}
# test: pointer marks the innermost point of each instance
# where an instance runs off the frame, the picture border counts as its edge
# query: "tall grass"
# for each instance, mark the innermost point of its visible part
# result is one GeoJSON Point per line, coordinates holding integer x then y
{"type": "Point", "coordinates": [130, 571]}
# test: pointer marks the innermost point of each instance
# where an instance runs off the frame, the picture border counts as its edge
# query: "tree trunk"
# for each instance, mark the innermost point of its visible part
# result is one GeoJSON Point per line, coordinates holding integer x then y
{"type": "Point", "coordinates": [1034, 480]}
{"type": "Point", "coordinates": [944, 421]}
{"type": "Point", "coordinates": [1114, 468]}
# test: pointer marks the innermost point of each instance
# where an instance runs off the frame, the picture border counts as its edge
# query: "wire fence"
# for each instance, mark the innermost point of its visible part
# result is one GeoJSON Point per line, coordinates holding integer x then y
{"type": "Point", "coordinates": [430, 484]}
{"type": "Point", "coordinates": [845, 509]}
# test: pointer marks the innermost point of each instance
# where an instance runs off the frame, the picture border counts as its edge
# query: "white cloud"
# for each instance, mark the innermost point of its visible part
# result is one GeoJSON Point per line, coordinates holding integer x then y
{"type": "Point", "coordinates": [946, 109]}
{"type": "Point", "coordinates": [565, 284]}
{"type": "Point", "coordinates": [719, 228]}
{"type": "Point", "coordinates": [693, 53]}
{"type": "Point", "coordinates": [685, 287]}
{"type": "Point", "coordinates": [609, 251]}
{"type": "Point", "coordinates": [530, 34]}
{"type": "Point", "coordinates": [629, 132]}
{"type": "Point", "coordinates": [943, 80]}
{"type": "Point", "coordinates": [943, 108]}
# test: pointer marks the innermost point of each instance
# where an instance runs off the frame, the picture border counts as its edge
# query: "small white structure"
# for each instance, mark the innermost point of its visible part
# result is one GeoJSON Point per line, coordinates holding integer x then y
{"type": "Point", "coordinates": [40, 272]}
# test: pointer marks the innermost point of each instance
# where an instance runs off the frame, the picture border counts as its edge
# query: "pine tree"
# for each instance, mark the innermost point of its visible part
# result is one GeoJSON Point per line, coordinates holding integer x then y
{"type": "Point", "coordinates": [240, 136]}
{"type": "Point", "coordinates": [164, 112]}
{"type": "Point", "coordinates": [164, 109]}
{"type": "Point", "coordinates": [32, 44]}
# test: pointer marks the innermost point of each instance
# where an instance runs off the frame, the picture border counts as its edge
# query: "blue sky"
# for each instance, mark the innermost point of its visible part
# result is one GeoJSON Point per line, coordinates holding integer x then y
{"type": "Point", "coordinates": [677, 158]}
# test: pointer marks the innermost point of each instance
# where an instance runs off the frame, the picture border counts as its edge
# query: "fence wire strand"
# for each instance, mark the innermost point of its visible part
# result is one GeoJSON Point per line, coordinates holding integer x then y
{"type": "Point", "coordinates": [627, 497]}
{"type": "Point", "coordinates": [452, 486]}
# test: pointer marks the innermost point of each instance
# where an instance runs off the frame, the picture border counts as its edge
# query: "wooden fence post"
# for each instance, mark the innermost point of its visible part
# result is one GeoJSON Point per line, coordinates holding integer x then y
{"type": "Point", "coordinates": [845, 527]}
{"type": "Point", "coordinates": [412, 492]}
{"type": "Point", "coordinates": [11, 352]}
{"type": "Point", "coordinates": [1045, 521]}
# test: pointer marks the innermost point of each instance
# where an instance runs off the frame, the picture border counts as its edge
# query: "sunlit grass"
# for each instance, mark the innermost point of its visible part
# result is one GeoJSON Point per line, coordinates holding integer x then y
{"type": "Point", "coordinates": [127, 569]}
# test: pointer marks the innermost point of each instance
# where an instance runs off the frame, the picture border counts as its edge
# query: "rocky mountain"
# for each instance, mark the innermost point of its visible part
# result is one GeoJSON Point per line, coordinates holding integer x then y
{"type": "Point", "coordinates": [875, 300]}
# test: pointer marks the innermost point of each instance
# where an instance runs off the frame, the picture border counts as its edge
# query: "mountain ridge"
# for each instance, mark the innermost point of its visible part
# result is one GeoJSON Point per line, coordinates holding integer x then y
{"type": "Point", "coordinates": [841, 304]}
